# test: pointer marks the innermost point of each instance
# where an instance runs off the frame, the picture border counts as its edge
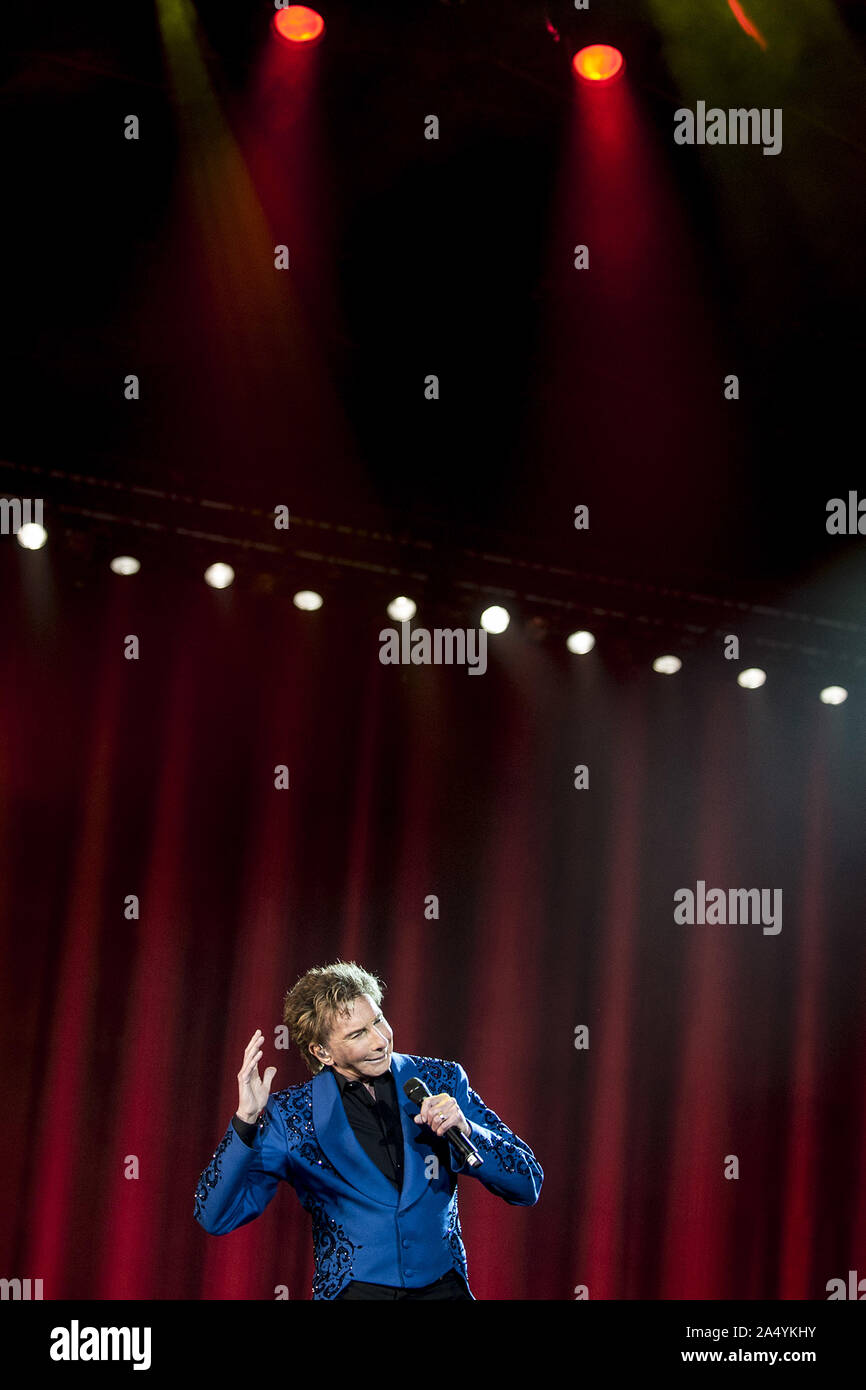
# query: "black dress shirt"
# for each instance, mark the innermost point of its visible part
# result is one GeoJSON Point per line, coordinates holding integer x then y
{"type": "Point", "coordinates": [375, 1123]}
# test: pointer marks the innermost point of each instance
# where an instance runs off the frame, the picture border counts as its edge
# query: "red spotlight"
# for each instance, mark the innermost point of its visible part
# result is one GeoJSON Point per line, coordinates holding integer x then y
{"type": "Point", "coordinates": [598, 63]}
{"type": "Point", "coordinates": [298, 24]}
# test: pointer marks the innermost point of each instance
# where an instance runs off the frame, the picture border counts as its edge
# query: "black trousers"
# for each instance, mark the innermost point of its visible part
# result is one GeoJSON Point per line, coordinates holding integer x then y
{"type": "Point", "coordinates": [451, 1285]}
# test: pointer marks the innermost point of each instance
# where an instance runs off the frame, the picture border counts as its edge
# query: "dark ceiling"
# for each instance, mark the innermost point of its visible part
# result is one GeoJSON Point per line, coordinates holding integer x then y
{"type": "Point", "coordinates": [418, 257]}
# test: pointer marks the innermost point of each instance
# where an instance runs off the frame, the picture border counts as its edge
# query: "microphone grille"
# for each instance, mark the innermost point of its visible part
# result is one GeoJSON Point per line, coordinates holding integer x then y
{"type": "Point", "coordinates": [415, 1089]}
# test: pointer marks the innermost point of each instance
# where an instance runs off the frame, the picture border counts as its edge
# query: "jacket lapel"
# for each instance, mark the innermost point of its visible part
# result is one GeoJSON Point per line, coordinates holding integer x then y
{"type": "Point", "coordinates": [334, 1134]}
{"type": "Point", "coordinates": [414, 1150]}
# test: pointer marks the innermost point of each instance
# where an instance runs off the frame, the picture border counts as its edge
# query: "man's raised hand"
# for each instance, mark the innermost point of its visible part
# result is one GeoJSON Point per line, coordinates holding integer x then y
{"type": "Point", "coordinates": [253, 1091]}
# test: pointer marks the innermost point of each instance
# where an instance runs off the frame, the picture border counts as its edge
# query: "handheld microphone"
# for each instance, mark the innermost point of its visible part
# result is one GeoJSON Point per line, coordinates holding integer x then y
{"type": "Point", "coordinates": [417, 1092]}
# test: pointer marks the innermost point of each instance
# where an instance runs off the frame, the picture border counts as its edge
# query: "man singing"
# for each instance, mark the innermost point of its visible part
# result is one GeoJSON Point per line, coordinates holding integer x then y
{"type": "Point", "coordinates": [377, 1175]}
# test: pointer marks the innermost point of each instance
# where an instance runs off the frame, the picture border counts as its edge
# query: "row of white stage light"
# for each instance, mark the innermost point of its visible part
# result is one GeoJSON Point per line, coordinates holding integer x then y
{"type": "Point", "coordinates": [401, 609]}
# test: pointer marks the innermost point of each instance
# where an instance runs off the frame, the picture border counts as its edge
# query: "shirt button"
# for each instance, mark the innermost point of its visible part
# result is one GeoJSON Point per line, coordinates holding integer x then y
{"type": "Point", "coordinates": [406, 1244]}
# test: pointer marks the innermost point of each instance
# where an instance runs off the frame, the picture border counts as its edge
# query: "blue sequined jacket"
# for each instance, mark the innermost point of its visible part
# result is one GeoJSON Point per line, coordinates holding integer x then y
{"type": "Point", "coordinates": [363, 1228]}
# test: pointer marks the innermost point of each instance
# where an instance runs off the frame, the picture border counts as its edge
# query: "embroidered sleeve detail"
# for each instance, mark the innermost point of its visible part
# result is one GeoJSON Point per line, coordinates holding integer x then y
{"type": "Point", "coordinates": [503, 1142]}
{"type": "Point", "coordinates": [438, 1075]}
{"type": "Point", "coordinates": [211, 1175]}
{"type": "Point", "coordinates": [510, 1159]}
{"type": "Point", "coordinates": [489, 1118]}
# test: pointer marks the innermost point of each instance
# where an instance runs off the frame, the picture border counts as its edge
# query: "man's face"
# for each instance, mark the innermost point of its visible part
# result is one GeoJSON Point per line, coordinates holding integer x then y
{"type": "Point", "coordinates": [360, 1043]}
